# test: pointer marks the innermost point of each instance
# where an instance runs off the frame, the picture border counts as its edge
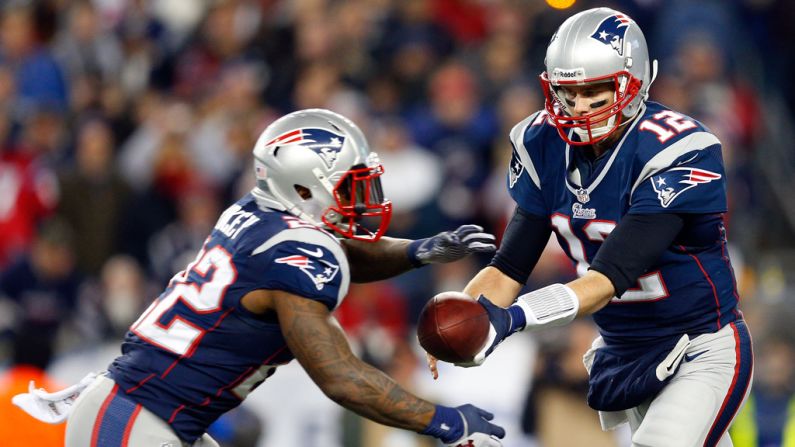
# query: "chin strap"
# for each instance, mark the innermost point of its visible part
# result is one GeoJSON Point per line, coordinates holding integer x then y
{"type": "Point", "coordinates": [653, 76]}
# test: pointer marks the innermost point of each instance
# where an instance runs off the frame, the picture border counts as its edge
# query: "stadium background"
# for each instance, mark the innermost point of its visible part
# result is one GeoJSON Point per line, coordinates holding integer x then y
{"type": "Point", "coordinates": [127, 125]}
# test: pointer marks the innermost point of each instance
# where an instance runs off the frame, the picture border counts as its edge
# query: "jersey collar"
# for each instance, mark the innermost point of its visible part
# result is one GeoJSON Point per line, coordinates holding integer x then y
{"type": "Point", "coordinates": [583, 192]}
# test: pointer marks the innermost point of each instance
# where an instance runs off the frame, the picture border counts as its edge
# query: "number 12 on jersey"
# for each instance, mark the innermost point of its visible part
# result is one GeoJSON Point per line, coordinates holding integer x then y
{"type": "Point", "coordinates": [650, 286]}
{"type": "Point", "coordinates": [671, 124]}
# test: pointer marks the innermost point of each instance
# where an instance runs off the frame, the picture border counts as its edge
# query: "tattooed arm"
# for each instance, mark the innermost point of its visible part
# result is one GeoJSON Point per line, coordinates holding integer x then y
{"type": "Point", "coordinates": [321, 348]}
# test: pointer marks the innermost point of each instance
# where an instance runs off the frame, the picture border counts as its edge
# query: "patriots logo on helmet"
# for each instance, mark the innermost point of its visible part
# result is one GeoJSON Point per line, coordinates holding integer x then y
{"type": "Point", "coordinates": [318, 270]}
{"type": "Point", "coordinates": [515, 170]}
{"type": "Point", "coordinates": [611, 32]}
{"type": "Point", "coordinates": [672, 183]}
{"type": "Point", "coordinates": [326, 144]}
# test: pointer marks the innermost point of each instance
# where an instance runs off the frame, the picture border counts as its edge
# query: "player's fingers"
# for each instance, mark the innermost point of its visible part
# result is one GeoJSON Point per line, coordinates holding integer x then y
{"type": "Point", "coordinates": [432, 365]}
{"type": "Point", "coordinates": [481, 247]}
{"type": "Point", "coordinates": [464, 230]}
{"type": "Point", "coordinates": [480, 236]}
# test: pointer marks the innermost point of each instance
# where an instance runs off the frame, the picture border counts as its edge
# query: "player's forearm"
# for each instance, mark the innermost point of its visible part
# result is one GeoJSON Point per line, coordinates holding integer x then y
{"type": "Point", "coordinates": [594, 290]}
{"type": "Point", "coordinates": [321, 348]}
{"type": "Point", "coordinates": [494, 285]}
{"type": "Point", "coordinates": [370, 393]}
{"type": "Point", "coordinates": [559, 304]}
{"type": "Point", "coordinates": [379, 260]}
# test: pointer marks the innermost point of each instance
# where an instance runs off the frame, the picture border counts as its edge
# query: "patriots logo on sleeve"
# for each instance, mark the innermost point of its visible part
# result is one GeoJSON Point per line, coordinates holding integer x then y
{"type": "Point", "coordinates": [515, 170]}
{"type": "Point", "coordinates": [326, 144]}
{"type": "Point", "coordinates": [317, 269]}
{"type": "Point", "coordinates": [611, 31]}
{"type": "Point", "coordinates": [672, 183]}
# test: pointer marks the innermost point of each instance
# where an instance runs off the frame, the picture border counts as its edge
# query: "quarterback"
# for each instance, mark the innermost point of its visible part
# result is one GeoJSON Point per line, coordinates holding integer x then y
{"type": "Point", "coordinates": [635, 193]}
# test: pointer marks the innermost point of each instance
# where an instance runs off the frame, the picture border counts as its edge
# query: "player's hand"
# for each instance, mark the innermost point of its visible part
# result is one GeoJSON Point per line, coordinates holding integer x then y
{"type": "Point", "coordinates": [500, 327]}
{"type": "Point", "coordinates": [464, 426]}
{"type": "Point", "coordinates": [450, 246]}
{"type": "Point", "coordinates": [478, 431]}
{"type": "Point", "coordinates": [477, 440]}
{"type": "Point", "coordinates": [432, 365]}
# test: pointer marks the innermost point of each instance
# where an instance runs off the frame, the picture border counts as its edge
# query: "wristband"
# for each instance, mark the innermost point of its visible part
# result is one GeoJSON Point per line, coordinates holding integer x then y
{"type": "Point", "coordinates": [412, 250]}
{"type": "Point", "coordinates": [553, 305]}
{"type": "Point", "coordinates": [446, 425]}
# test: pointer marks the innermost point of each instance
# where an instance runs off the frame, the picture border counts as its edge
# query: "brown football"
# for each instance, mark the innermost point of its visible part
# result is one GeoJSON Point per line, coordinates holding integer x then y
{"type": "Point", "coordinates": [453, 327]}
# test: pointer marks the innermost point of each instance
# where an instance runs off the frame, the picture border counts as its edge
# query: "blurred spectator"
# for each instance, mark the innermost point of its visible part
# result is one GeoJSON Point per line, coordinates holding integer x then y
{"type": "Point", "coordinates": [44, 285]}
{"type": "Point", "coordinates": [145, 43]}
{"type": "Point", "coordinates": [411, 43]}
{"type": "Point", "coordinates": [29, 194]}
{"type": "Point", "coordinates": [44, 135]}
{"type": "Point", "coordinates": [503, 65]}
{"type": "Point", "coordinates": [224, 35]}
{"type": "Point", "coordinates": [116, 299]}
{"type": "Point", "coordinates": [155, 162]}
{"type": "Point", "coordinates": [458, 127]}
{"type": "Point", "coordinates": [84, 47]}
{"type": "Point", "coordinates": [515, 104]}
{"type": "Point", "coordinates": [39, 78]}
{"type": "Point", "coordinates": [175, 246]}
{"type": "Point", "coordinates": [415, 212]}
{"type": "Point", "coordinates": [221, 141]}
{"type": "Point", "coordinates": [94, 197]}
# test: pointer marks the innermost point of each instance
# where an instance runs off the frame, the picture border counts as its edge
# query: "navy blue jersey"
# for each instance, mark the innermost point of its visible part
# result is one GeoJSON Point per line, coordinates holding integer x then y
{"type": "Point", "coordinates": [665, 162]}
{"type": "Point", "coordinates": [197, 352]}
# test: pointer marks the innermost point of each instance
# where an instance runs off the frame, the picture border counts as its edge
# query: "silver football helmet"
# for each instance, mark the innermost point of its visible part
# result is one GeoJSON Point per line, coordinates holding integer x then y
{"type": "Point", "coordinates": [595, 46]}
{"type": "Point", "coordinates": [317, 165]}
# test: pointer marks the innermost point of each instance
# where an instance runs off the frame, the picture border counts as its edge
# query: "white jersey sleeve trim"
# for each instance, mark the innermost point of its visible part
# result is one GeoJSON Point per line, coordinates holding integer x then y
{"type": "Point", "coordinates": [694, 142]}
{"type": "Point", "coordinates": [316, 237]}
{"type": "Point", "coordinates": [517, 138]}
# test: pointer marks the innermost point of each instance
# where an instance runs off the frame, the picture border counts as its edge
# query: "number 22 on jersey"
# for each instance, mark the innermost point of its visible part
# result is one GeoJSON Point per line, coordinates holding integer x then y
{"type": "Point", "coordinates": [179, 335]}
{"type": "Point", "coordinates": [650, 286]}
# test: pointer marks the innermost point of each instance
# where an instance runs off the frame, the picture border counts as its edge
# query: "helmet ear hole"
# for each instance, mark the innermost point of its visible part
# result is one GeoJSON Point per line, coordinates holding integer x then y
{"type": "Point", "coordinates": [303, 191]}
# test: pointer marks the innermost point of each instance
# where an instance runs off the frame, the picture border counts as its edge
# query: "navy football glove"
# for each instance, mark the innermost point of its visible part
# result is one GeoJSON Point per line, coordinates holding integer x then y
{"type": "Point", "coordinates": [502, 323]}
{"type": "Point", "coordinates": [466, 425]}
{"type": "Point", "coordinates": [450, 246]}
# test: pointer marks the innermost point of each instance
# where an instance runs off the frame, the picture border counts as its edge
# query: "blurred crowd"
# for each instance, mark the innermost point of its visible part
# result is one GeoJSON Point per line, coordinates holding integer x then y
{"type": "Point", "coordinates": [126, 126]}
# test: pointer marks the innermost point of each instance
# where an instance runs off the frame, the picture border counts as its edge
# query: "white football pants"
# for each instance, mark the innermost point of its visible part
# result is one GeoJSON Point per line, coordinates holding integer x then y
{"type": "Point", "coordinates": [104, 417]}
{"type": "Point", "coordinates": [696, 407]}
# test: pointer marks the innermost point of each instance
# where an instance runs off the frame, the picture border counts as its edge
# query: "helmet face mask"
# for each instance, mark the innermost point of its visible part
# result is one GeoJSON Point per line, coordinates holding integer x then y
{"type": "Point", "coordinates": [316, 165]}
{"type": "Point", "coordinates": [625, 88]}
{"type": "Point", "coordinates": [359, 197]}
{"type": "Point", "coordinates": [599, 45]}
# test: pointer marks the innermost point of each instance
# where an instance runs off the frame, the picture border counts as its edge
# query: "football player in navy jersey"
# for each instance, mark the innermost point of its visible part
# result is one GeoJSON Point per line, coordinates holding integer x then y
{"type": "Point", "coordinates": [258, 294]}
{"type": "Point", "coordinates": [636, 194]}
